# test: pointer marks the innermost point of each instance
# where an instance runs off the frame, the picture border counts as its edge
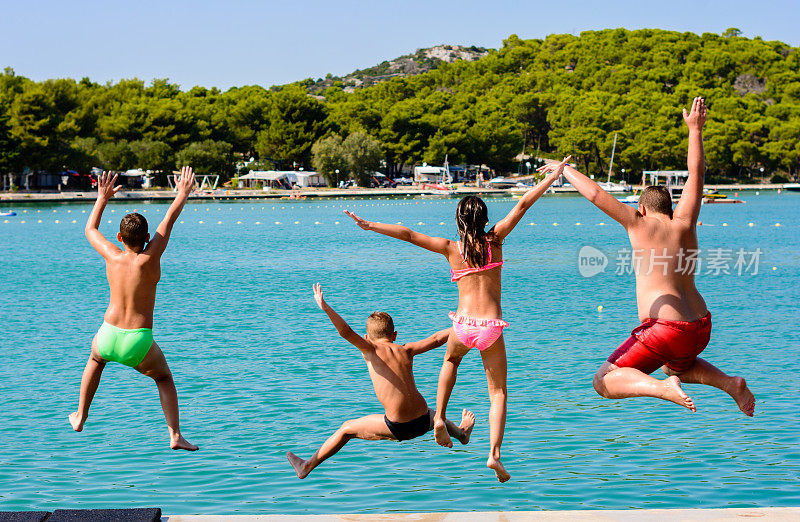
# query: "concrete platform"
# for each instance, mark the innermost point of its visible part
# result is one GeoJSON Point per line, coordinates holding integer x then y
{"type": "Point", "coordinates": [648, 515]}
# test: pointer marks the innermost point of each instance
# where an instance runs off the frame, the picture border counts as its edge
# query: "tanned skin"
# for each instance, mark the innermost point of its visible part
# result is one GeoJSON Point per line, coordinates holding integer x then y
{"type": "Point", "coordinates": [133, 273]}
{"type": "Point", "coordinates": [478, 297]}
{"type": "Point", "coordinates": [391, 370]}
{"type": "Point", "coordinates": [664, 292]}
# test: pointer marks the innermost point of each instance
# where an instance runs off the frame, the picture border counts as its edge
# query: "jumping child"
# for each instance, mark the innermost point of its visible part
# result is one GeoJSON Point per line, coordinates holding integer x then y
{"type": "Point", "coordinates": [126, 335]}
{"type": "Point", "coordinates": [475, 263]}
{"type": "Point", "coordinates": [406, 414]}
{"type": "Point", "coordinates": [675, 323]}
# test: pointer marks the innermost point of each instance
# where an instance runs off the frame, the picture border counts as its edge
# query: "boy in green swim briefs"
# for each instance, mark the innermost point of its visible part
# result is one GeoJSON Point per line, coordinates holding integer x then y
{"type": "Point", "coordinates": [126, 335]}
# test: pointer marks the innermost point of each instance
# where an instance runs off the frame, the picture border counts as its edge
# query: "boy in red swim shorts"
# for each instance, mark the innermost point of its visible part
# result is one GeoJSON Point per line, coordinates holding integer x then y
{"type": "Point", "coordinates": [676, 325]}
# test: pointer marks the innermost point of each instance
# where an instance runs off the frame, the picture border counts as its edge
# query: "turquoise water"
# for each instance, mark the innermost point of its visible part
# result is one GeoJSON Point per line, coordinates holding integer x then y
{"type": "Point", "coordinates": [260, 370]}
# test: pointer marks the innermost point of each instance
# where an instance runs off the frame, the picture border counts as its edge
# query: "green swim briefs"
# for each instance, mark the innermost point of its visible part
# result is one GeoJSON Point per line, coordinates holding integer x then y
{"type": "Point", "coordinates": [124, 346]}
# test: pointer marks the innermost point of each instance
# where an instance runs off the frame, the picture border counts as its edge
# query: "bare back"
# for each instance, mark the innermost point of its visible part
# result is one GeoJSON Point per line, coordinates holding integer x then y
{"type": "Point", "coordinates": [478, 293]}
{"type": "Point", "coordinates": [392, 372]}
{"type": "Point", "coordinates": [665, 287]}
{"type": "Point", "coordinates": [132, 280]}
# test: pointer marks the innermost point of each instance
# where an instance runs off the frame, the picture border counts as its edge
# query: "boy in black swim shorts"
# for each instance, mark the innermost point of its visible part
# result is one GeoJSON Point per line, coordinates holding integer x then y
{"type": "Point", "coordinates": [407, 415]}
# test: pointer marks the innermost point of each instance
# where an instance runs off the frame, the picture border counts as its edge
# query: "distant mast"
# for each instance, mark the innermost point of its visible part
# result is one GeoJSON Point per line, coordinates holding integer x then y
{"type": "Point", "coordinates": [611, 165]}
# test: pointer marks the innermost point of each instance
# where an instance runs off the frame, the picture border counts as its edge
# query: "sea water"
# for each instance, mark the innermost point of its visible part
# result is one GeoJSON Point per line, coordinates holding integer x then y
{"type": "Point", "coordinates": [261, 371]}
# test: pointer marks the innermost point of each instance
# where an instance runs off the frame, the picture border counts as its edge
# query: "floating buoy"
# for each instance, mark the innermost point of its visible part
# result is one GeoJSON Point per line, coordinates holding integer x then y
{"type": "Point", "coordinates": [774, 268]}
{"type": "Point", "coordinates": [699, 222]}
{"type": "Point", "coordinates": [750, 225]}
{"type": "Point", "coordinates": [555, 224]}
{"type": "Point", "coordinates": [200, 222]}
{"type": "Point", "coordinates": [777, 224]}
{"type": "Point", "coordinates": [531, 223]}
{"type": "Point", "coordinates": [600, 308]}
{"type": "Point", "coordinates": [724, 224]}
{"type": "Point", "coordinates": [578, 224]}
{"type": "Point", "coordinates": [601, 224]}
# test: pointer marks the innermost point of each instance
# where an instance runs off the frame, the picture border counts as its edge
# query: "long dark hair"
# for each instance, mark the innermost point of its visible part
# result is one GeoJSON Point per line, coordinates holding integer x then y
{"type": "Point", "coordinates": [471, 219]}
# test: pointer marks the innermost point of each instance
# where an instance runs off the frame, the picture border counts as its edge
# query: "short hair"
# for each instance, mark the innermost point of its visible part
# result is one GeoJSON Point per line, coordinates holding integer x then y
{"type": "Point", "coordinates": [380, 325]}
{"type": "Point", "coordinates": [656, 198]}
{"type": "Point", "coordinates": [133, 230]}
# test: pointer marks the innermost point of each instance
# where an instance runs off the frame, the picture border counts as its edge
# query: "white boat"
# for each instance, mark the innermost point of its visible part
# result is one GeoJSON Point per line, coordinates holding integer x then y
{"type": "Point", "coordinates": [501, 183]}
{"type": "Point", "coordinates": [610, 186]}
{"type": "Point", "coordinates": [794, 187]}
{"type": "Point", "coordinates": [631, 200]}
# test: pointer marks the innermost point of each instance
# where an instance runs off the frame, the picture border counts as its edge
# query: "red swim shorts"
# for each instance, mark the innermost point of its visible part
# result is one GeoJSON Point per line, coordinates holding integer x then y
{"type": "Point", "coordinates": [657, 342]}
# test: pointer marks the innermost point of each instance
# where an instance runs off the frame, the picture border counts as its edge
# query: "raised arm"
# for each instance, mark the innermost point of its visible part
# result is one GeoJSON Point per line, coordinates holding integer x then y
{"type": "Point", "coordinates": [341, 325]}
{"type": "Point", "coordinates": [439, 245]}
{"type": "Point", "coordinates": [507, 224]}
{"type": "Point", "coordinates": [105, 191]}
{"type": "Point", "coordinates": [434, 341]}
{"type": "Point", "coordinates": [623, 214]}
{"type": "Point", "coordinates": [160, 239]}
{"type": "Point", "coordinates": [688, 207]}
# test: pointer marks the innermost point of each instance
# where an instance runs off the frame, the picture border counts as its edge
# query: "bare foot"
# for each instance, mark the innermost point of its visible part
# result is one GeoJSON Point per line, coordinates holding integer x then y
{"type": "Point", "coordinates": [440, 434]}
{"type": "Point", "coordinates": [673, 392]}
{"type": "Point", "coordinates": [77, 424]}
{"type": "Point", "coordinates": [467, 423]}
{"type": "Point", "coordinates": [499, 469]}
{"type": "Point", "coordinates": [298, 464]}
{"type": "Point", "coordinates": [180, 443]}
{"type": "Point", "coordinates": [743, 396]}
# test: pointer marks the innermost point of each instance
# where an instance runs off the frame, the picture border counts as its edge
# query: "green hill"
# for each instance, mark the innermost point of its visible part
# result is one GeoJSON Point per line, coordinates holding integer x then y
{"type": "Point", "coordinates": [564, 94]}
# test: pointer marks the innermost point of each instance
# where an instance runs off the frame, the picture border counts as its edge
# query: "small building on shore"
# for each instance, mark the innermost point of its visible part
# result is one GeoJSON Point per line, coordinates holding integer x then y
{"type": "Point", "coordinates": [283, 178]}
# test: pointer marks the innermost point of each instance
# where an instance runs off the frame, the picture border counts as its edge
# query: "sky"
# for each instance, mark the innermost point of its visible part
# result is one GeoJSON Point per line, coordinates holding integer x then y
{"type": "Point", "coordinates": [246, 42]}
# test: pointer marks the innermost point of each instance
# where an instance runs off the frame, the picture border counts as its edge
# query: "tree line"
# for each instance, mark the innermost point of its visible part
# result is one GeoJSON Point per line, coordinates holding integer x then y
{"type": "Point", "coordinates": [547, 97]}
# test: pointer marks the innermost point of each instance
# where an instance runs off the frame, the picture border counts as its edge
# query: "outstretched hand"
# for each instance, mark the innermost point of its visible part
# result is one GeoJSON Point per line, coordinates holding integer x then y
{"type": "Point", "coordinates": [105, 186]}
{"type": "Point", "coordinates": [318, 296]}
{"type": "Point", "coordinates": [697, 117]}
{"type": "Point", "coordinates": [186, 182]}
{"type": "Point", "coordinates": [363, 223]}
{"type": "Point", "coordinates": [554, 168]}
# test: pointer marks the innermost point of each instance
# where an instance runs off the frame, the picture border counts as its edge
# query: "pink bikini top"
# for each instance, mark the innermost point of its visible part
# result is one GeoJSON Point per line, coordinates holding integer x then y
{"type": "Point", "coordinates": [455, 275]}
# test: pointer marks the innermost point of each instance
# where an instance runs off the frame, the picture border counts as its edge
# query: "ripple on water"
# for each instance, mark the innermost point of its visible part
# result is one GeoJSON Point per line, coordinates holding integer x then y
{"type": "Point", "coordinates": [260, 371]}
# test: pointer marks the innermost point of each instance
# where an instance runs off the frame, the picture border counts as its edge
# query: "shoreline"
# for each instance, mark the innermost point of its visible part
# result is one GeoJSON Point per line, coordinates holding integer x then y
{"type": "Point", "coordinates": [235, 194]}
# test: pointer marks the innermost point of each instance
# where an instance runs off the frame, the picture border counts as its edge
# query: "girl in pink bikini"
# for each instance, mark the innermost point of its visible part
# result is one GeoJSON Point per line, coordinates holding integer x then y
{"type": "Point", "coordinates": [475, 263]}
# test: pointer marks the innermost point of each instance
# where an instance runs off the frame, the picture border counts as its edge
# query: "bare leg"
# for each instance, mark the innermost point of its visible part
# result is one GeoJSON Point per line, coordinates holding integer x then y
{"type": "Point", "coordinates": [613, 382]}
{"type": "Point", "coordinates": [496, 367]}
{"type": "Point", "coordinates": [89, 383]}
{"type": "Point", "coordinates": [703, 372]}
{"type": "Point", "coordinates": [461, 432]}
{"type": "Point", "coordinates": [447, 380]}
{"type": "Point", "coordinates": [371, 427]}
{"type": "Point", "coordinates": [155, 366]}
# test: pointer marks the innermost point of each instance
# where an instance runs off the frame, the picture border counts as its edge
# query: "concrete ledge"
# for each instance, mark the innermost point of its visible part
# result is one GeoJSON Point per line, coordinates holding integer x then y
{"type": "Point", "coordinates": [649, 515]}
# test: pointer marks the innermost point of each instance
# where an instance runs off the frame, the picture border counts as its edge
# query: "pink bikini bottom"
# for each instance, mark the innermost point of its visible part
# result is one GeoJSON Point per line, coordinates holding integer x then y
{"type": "Point", "coordinates": [477, 333]}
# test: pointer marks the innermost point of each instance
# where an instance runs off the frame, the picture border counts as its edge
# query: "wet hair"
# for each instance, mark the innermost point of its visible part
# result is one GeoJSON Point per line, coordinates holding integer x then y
{"type": "Point", "coordinates": [380, 325]}
{"type": "Point", "coordinates": [133, 230]}
{"type": "Point", "coordinates": [471, 219]}
{"type": "Point", "coordinates": [656, 198]}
